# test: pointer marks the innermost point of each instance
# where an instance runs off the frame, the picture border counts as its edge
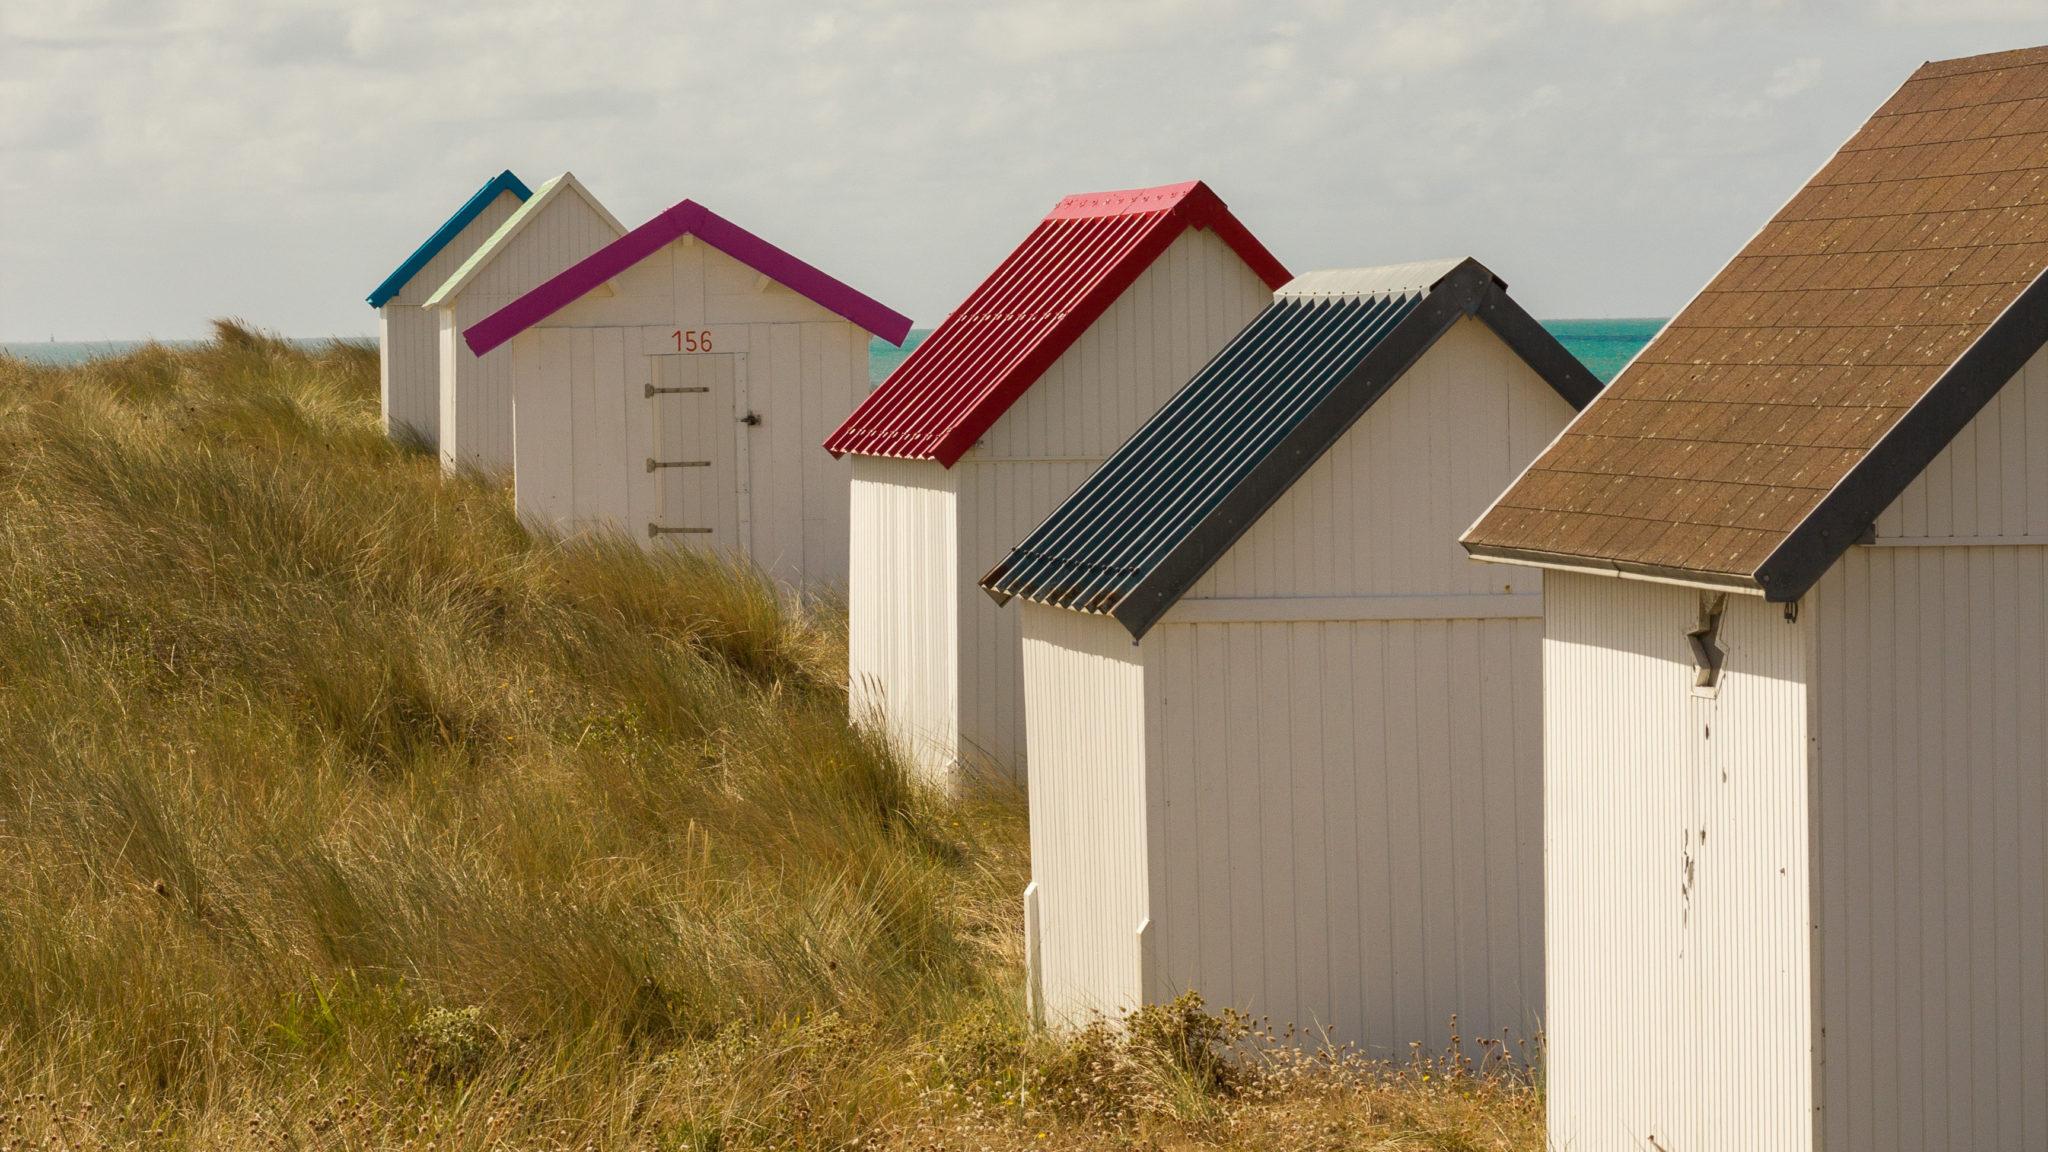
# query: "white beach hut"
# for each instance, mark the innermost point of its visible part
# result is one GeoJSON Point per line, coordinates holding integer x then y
{"type": "Point", "coordinates": [675, 384]}
{"type": "Point", "coordinates": [1106, 308]}
{"type": "Point", "coordinates": [1285, 741]}
{"type": "Point", "coordinates": [409, 359]}
{"type": "Point", "coordinates": [1796, 668]}
{"type": "Point", "coordinates": [561, 224]}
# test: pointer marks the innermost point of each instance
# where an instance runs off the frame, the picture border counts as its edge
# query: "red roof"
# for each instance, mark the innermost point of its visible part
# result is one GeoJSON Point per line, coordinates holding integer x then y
{"type": "Point", "coordinates": [1065, 275]}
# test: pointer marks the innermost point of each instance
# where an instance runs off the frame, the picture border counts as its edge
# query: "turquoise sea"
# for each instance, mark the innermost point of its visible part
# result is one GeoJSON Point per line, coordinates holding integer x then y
{"type": "Point", "coordinates": [59, 352]}
{"type": "Point", "coordinates": [1603, 345]}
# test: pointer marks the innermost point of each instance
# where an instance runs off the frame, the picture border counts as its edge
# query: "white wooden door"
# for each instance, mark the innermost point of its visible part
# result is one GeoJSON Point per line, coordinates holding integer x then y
{"type": "Point", "coordinates": [693, 407]}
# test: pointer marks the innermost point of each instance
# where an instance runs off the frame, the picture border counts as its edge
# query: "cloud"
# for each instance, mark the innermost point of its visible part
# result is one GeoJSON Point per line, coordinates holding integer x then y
{"type": "Point", "coordinates": [1960, 11]}
{"type": "Point", "coordinates": [163, 161]}
{"type": "Point", "coordinates": [1794, 78]}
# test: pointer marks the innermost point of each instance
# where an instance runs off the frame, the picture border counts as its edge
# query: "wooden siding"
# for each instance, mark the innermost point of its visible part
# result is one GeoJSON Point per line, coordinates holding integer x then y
{"type": "Point", "coordinates": [900, 591]}
{"type": "Point", "coordinates": [1933, 813]}
{"type": "Point", "coordinates": [475, 393]}
{"type": "Point", "coordinates": [1380, 513]}
{"type": "Point", "coordinates": [1349, 824]}
{"type": "Point", "coordinates": [797, 369]}
{"type": "Point", "coordinates": [1676, 874]}
{"type": "Point", "coordinates": [410, 340]}
{"type": "Point", "coordinates": [1158, 334]}
{"type": "Point", "coordinates": [1088, 812]}
{"type": "Point", "coordinates": [1991, 482]}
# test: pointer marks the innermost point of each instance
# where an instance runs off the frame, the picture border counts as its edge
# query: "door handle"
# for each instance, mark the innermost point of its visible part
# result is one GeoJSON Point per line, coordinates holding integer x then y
{"type": "Point", "coordinates": [751, 419]}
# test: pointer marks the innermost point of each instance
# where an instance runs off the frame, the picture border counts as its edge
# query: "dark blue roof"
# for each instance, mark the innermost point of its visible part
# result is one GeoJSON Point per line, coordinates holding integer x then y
{"type": "Point", "coordinates": [395, 283]}
{"type": "Point", "coordinates": [1141, 530]}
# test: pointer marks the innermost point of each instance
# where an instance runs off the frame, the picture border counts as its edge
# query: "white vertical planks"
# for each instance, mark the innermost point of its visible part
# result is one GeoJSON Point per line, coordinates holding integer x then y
{"type": "Point", "coordinates": [1677, 872]}
{"type": "Point", "coordinates": [1152, 340]}
{"type": "Point", "coordinates": [1344, 740]}
{"type": "Point", "coordinates": [901, 647]}
{"type": "Point", "coordinates": [410, 340]}
{"type": "Point", "coordinates": [1350, 836]}
{"type": "Point", "coordinates": [474, 394]}
{"type": "Point", "coordinates": [1991, 482]}
{"type": "Point", "coordinates": [1933, 813]}
{"type": "Point", "coordinates": [1088, 826]}
{"type": "Point", "coordinates": [793, 367]}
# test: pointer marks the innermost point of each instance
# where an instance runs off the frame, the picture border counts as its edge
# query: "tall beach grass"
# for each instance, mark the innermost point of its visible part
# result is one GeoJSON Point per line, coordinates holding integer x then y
{"type": "Point", "coordinates": [339, 810]}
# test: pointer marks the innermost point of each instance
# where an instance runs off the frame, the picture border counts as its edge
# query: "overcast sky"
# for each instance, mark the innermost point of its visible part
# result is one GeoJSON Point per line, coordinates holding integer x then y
{"type": "Point", "coordinates": [163, 162]}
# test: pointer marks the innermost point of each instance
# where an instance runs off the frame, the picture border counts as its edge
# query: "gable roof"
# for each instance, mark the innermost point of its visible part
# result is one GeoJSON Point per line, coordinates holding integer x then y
{"type": "Point", "coordinates": [1037, 302]}
{"type": "Point", "coordinates": [563, 185]}
{"type": "Point", "coordinates": [688, 218]}
{"type": "Point", "coordinates": [395, 283]}
{"type": "Point", "coordinates": [1760, 434]}
{"type": "Point", "coordinates": [1139, 532]}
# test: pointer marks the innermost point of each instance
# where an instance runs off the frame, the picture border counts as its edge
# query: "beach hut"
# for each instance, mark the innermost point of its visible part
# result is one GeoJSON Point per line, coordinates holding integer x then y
{"type": "Point", "coordinates": [1082, 332]}
{"type": "Point", "coordinates": [1795, 669]}
{"type": "Point", "coordinates": [561, 224]}
{"type": "Point", "coordinates": [409, 358]}
{"type": "Point", "coordinates": [674, 385]}
{"type": "Point", "coordinates": [1284, 737]}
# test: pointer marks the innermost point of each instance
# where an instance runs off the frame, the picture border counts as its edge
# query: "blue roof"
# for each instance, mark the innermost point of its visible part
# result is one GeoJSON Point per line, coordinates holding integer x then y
{"type": "Point", "coordinates": [1167, 505]}
{"type": "Point", "coordinates": [395, 283]}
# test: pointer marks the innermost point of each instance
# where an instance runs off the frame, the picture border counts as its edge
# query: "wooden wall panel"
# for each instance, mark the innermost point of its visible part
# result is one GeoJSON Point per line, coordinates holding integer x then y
{"type": "Point", "coordinates": [901, 619]}
{"type": "Point", "coordinates": [1088, 835]}
{"type": "Point", "coordinates": [410, 340]}
{"type": "Point", "coordinates": [1678, 890]}
{"type": "Point", "coordinates": [475, 393]}
{"type": "Point", "coordinates": [1350, 832]}
{"type": "Point", "coordinates": [1933, 816]}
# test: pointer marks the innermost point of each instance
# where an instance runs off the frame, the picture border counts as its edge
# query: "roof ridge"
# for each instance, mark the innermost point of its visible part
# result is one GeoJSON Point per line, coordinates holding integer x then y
{"type": "Point", "coordinates": [1067, 271]}
{"type": "Point", "coordinates": [513, 226]}
{"type": "Point", "coordinates": [481, 199]}
{"type": "Point", "coordinates": [1196, 475]}
{"type": "Point", "coordinates": [685, 217]}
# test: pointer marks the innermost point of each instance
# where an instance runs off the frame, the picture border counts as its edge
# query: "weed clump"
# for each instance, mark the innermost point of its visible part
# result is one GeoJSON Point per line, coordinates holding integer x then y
{"type": "Point", "coordinates": [448, 1046]}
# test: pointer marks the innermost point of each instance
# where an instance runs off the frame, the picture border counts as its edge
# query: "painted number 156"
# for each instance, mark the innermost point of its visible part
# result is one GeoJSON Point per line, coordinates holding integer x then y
{"type": "Point", "coordinates": [691, 340]}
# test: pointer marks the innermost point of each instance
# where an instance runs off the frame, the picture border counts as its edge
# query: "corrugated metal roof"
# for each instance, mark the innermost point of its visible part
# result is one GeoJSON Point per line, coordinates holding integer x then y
{"type": "Point", "coordinates": [1008, 331]}
{"type": "Point", "coordinates": [1832, 359]}
{"type": "Point", "coordinates": [1159, 512]}
{"type": "Point", "coordinates": [395, 283]}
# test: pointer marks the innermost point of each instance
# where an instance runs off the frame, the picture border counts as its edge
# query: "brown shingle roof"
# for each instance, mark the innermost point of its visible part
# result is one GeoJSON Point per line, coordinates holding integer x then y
{"type": "Point", "coordinates": [1823, 368]}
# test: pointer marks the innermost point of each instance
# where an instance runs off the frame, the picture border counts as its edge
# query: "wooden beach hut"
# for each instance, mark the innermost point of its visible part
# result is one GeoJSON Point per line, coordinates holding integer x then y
{"type": "Point", "coordinates": [409, 360]}
{"type": "Point", "coordinates": [1284, 737]}
{"type": "Point", "coordinates": [1106, 308]}
{"type": "Point", "coordinates": [674, 385]}
{"type": "Point", "coordinates": [561, 224]}
{"type": "Point", "coordinates": [1796, 667]}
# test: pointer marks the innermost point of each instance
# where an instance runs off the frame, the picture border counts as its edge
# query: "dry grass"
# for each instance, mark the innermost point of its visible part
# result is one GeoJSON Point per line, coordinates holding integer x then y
{"type": "Point", "coordinates": [339, 811]}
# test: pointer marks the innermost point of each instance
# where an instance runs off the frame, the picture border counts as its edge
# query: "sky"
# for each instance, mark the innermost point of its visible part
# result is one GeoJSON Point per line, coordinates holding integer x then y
{"type": "Point", "coordinates": [164, 162]}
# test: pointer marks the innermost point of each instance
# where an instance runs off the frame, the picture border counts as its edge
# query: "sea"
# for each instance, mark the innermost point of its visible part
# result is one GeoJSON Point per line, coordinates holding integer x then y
{"type": "Point", "coordinates": [1604, 346]}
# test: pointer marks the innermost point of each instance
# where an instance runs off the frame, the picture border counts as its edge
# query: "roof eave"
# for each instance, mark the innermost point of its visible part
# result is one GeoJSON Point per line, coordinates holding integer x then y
{"type": "Point", "coordinates": [450, 228]}
{"type": "Point", "coordinates": [1844, 515]}
{"type": "Point", "coordinates": [1455, 296]}
{"type": "Point", "coordinates": [1594, 566]}
{"type": "Point", "coordinates": [511, 229]}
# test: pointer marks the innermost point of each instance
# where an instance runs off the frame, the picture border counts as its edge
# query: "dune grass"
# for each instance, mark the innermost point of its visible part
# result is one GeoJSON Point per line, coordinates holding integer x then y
{"type": "Point", "coordinates": [337, 810]}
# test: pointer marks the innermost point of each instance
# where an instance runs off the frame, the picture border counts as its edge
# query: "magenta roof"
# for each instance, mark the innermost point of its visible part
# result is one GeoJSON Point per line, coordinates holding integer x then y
{"type": "Point", "coordinates": [686, 218]}
{"type": "Point", "coordinates": [1032, 308]}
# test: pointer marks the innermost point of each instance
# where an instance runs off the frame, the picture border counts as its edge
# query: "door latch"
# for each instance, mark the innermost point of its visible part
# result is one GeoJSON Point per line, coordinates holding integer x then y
{"type": "Point", "coordinates": [751, 419]}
